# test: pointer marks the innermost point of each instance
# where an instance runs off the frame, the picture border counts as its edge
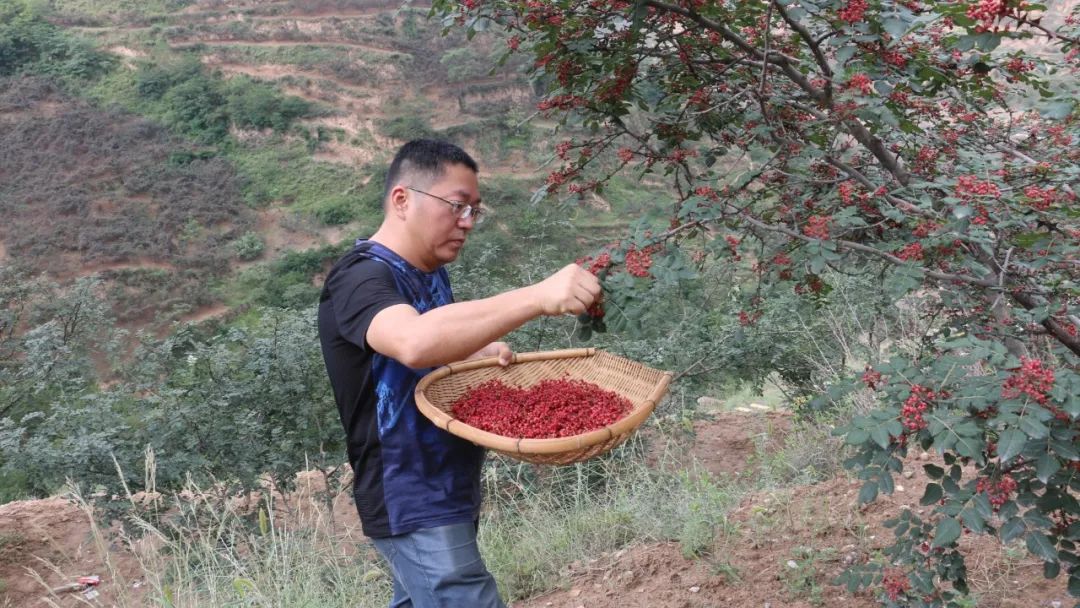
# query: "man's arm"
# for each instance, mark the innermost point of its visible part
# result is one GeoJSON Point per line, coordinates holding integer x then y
{"type": "Point", "coordinates": [455, 331]}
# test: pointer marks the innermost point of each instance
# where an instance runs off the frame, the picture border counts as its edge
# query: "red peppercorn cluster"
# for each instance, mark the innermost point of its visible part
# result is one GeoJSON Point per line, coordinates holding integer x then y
{"type": "Point", "coordinates": [853, 11]}
{"type": "Point", "coordinates": [817, 226]}
{"type": "Point", "coordinates": [861, 82]}
{"type": "Point", "coordinates": [563, 148]}
{"type": "Point", "coordinates": [871, 378]}
{"type": "Point", "coordinates": [1041, 198]}
{"type": "Point", "coordinates": [812, 283]}
{"type": "Point", "coordinates": [896, 583]}
{"type": "Point", "coordinates": [1031, 379]}
{"type": "Point", "coordinates": [847, 192]}
{"type": "Point", "coordinates": [925, 229]}
{"type": "Point", "coordinates": [638, 262]}
{"type": "Point", "coordinates": [546, 410]}
{"type": "Point", "coordinates": [746, 318]}
{"type": "Point", "coordinates": [1017, 65]}
{"type": "Point", "coordinates": [997, 491]}
{"type": "Point", "coordinates": [561, 102]}
{"type": "Point", "coordinates": [561, 176]}
{"type": "Point", "coordinates": [911, 251]}
{"type": "Point", "coordinates": [986, 12]}
{"type": "Point", "coordinates": [968, 186]}
{"type": "Point", "coordinates": [917, 402]}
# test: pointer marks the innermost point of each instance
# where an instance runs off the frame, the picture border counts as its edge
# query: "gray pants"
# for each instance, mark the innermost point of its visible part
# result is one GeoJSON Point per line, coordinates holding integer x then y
{"type": "Point", "coordinates": [439, 568]}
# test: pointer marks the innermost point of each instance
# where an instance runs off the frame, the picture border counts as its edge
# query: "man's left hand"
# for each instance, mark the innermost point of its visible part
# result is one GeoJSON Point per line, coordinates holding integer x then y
{"type": "Point", "coordinates": [495, 349]}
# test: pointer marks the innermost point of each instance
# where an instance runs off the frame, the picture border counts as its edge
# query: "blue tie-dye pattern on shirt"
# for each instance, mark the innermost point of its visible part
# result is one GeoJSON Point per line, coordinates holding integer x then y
{"type": "Point", "coordinates": [425, 290]}
{"type": "Point", "coordinates": [431, 478]}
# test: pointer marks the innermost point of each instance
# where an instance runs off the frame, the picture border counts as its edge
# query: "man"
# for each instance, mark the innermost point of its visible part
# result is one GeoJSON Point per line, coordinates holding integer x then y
{"type": "Point", "coordinates": [386, 318]}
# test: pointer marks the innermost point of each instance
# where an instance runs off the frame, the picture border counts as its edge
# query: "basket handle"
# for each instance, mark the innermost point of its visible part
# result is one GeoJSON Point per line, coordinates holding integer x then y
{"type": "Point", "coordinates": [547, 355]}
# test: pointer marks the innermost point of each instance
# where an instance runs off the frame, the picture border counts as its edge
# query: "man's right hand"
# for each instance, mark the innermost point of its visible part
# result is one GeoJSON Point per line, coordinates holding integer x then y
{"type": "Point", "coordinates": [569, 291]}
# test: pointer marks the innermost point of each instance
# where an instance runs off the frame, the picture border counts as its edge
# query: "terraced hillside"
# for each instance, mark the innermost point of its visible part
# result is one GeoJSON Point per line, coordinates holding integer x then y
{"type": "Point", "coordinates": [235, 143]}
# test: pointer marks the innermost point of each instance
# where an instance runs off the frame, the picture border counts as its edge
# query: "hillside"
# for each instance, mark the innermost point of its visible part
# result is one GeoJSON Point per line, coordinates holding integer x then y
{"type": "Point", "coordinates": [213, 139]}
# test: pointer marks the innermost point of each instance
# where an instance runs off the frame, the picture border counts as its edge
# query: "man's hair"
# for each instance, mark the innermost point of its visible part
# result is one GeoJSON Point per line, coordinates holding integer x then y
{"type": "Point", "coordinates": [425, 160]}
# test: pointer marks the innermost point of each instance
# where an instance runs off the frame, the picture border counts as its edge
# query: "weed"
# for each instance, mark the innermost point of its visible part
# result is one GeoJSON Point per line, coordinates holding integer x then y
{"type": "Point", "coordinates": [802, 575]}
{"type": "Point", "coordinates": [725, 569]}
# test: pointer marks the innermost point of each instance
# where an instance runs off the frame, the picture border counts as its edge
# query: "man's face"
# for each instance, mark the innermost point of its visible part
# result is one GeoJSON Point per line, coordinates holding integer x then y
{"type": "Point", "coordinates": [431, 221]}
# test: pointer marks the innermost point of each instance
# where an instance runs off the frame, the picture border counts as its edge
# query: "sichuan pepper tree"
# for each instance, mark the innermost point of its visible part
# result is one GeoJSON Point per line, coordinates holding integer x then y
{"type": "Point", "coordinates": [915, 140]}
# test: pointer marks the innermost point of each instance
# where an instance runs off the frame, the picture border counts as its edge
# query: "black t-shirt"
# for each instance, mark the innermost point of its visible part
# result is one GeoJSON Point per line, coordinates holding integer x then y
{"type": "Point", "coordinates": [409, 474]}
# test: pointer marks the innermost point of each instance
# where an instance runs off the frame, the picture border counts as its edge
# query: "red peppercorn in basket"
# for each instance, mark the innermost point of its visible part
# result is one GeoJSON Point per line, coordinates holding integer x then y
{"type": "Point", "coordinates": [612, 396]}
{"type": "Point", "coordinates": [549, 408]}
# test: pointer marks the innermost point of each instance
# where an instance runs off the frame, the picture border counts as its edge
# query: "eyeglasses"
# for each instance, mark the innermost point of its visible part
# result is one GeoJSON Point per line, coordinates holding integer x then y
{"type": "Point", "coordinates": [461, 211]}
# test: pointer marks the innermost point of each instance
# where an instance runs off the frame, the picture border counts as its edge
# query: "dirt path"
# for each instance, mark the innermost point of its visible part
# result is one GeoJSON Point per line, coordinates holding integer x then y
{"type": "Point", "coordinates": [205, 313]}
{"type": "Point", "coordinates": [105, 29]}
{"type": "Point", "coordinates": [85, 270]}
{"type": "Point", "coordinates": [180, 44]}
{"type": "Point", "coordinates": [277, 71]}
{"type": "Point", "coordinates": [327, 16]}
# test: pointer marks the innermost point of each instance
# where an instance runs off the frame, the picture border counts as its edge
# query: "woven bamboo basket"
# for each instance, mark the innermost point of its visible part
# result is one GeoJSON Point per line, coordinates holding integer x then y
{"type": "Point", "coordinates": [643, 386]}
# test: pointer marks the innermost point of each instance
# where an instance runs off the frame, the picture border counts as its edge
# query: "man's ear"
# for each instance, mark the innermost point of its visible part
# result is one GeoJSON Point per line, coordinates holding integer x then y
{"type": "Point", "coordinates": [398, 201]}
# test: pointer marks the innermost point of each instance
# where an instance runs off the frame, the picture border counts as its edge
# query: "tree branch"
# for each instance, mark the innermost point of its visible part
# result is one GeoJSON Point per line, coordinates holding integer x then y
{"type": "Point", "coordinates": [788, 67]}
{"type": "Point", "coordinates": [815, 47]}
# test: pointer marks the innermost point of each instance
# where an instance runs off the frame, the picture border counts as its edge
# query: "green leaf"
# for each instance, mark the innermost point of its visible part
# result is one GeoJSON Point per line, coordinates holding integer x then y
{"type": "Point", "coordinates": [1033, 427]}
{"type": "Point", "coordinates": [1051, 569]}
{"type": "Point", "coordinates": [896, 27]}
{"type": "Point", "coordinates": [982, 505]}
{"type": "Point", "coordinates": [1065, 449]}
{"type": "Point", "coordinates": [1074, 583]}
{"type": "Point", "coordinates": [885, 484]}
{"type": "Point", "coordinates": [1057, 110]}
{"type": "Point", "coordinates": [933, 471]}
{"type": "Point", "coordinates": [1046, 466]}
{"type": "Point", "coordinates": [1040, 545]}
{"type": "Point", "coordinates": [1010, 443]}
{"type": "Point", "coordinates": [868, 492]}
{"type": "Point", "coordinates": [880, 435]}
{"type": "Point", "coordinates": [946, 533]}
{"type": "Point", "coordinates": [973, 520]}
{"type": "Point", "coordinates": [856, 437]}
{"type": "Point", "coordinates": [962, 211]}
{"type": "Point", "coordinates": [932, 494]}
{"type": "Point", "coordinates": [1012, 529]}
{"type": "Point", "coordinates": [844, 53]}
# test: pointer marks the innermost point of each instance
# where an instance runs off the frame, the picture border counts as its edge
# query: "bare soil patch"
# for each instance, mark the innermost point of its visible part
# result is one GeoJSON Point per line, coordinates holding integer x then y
{"type": "Point", "coordinates": [278, 237]}
{"type": "Point", "coordinates": [47, 544]}
{"type": "Point", "coordinates": [784, 547]}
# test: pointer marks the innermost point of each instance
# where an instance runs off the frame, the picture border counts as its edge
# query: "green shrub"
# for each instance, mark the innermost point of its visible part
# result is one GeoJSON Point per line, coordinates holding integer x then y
{"type": "Point", "coordinates": [30, 44]}
{"type": "Point", "coordinates": [203, 106]}
{"type": "Point", "coordinates": [407, 127]}
{"type": "Point", "coordinates": [340, 211]}
{"type": "Point", "coordinates": [249, 246]}
{"type": "Point", "coordinates": [196, 107]}
{"type": "Point", "coordinates": [259, 106]}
